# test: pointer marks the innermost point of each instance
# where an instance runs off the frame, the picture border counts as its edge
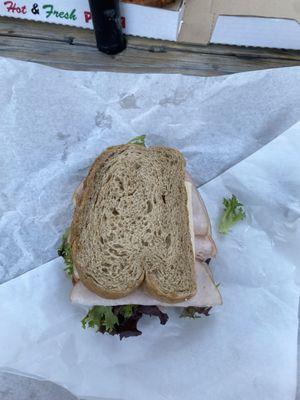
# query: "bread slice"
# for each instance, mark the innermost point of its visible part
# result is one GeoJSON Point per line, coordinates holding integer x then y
{"type": "Point", "coordinates": [131, 225]}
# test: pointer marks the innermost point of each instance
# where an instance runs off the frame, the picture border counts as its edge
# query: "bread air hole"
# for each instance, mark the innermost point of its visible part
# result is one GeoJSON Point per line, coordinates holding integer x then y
{"type": "Point", "coordinates": [114, 252]}
{"type": "Point", "coordinates": [144, 243]}
{"type": "Point", "coordinates": [168, 240]}
{"type": "Point", "coordinates": [115, 212]}
{"type": "Point", "coordinates": [121, 186]}
{"type": "Point", "coordinates": [149, 206]}
{"type": "Point", "coordinates": [163, 198]}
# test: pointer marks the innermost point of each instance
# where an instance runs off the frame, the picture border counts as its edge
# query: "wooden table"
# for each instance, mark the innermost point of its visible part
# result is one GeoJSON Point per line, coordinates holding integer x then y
{"type": "Point", "coordinates": [73, 48]}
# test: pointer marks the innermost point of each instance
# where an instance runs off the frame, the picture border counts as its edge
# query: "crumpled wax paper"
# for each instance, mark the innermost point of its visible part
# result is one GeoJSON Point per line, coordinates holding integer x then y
{"type": "Point", "coordinates": [53, 124]}
{"type": "Point", "coordinates": [247, 348]}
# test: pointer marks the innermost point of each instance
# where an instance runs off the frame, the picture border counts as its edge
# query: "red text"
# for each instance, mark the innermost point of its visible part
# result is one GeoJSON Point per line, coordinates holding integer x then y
{"type": "Point", "coordinates": [13, 8]}
{"type": "Point", "coordinates": [87, 16]}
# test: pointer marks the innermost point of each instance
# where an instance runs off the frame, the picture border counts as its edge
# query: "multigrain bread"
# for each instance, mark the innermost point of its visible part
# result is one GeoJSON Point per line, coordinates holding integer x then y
{"type": "Point", "coordinates": [130, 225]}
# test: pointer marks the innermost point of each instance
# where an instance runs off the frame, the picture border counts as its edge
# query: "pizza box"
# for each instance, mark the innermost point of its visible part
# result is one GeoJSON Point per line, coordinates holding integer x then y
{"type": "Point", "coordinates": [137, 20]}
{"type": "Point", "coordinates": [270, 23]}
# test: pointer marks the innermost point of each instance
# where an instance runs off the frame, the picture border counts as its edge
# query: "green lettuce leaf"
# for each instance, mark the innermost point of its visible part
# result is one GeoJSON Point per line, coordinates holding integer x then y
{"type": "Point", "coordinates": [127, 310]}
{"type": "Point", "coordinates": [233, 212]}
{"type": "Point", "coordinates": [64, 251]}
{"type": "Point", "coordinates": [120, 320]}
{"type": "Point", "coordinates": [138, 140]}
{"type": "Point", "coordinates": [100, 316]}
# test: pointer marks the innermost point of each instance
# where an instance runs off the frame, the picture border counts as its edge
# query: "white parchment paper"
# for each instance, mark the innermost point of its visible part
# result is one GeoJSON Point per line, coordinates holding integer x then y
{"type": "Point", "coordinates": [246, 349]}
{"type": "Point", "coordinates": [52, 125]}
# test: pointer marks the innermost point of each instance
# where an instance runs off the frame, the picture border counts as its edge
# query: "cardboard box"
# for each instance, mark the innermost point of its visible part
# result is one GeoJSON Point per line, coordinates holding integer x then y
{"type": "Point", "coordinates": [263, 23]}
{"type": "Point", "coordinates": [137, 20]}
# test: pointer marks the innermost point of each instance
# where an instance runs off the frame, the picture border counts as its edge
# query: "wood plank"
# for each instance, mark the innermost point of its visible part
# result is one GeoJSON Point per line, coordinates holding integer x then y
{"type": "Point", "coordinates": [71, 35]}
{"type": "Point", "coordinates": [73, 48]}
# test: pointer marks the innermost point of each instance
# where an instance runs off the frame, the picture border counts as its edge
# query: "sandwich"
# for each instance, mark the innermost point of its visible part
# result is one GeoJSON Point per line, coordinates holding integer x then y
{"type": "Point", "coordinates": [140, 240]}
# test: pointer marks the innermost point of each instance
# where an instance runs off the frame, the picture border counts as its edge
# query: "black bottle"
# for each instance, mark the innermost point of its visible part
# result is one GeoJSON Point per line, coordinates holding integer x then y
{"type": "Point", "coordinates": [107, 25]}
